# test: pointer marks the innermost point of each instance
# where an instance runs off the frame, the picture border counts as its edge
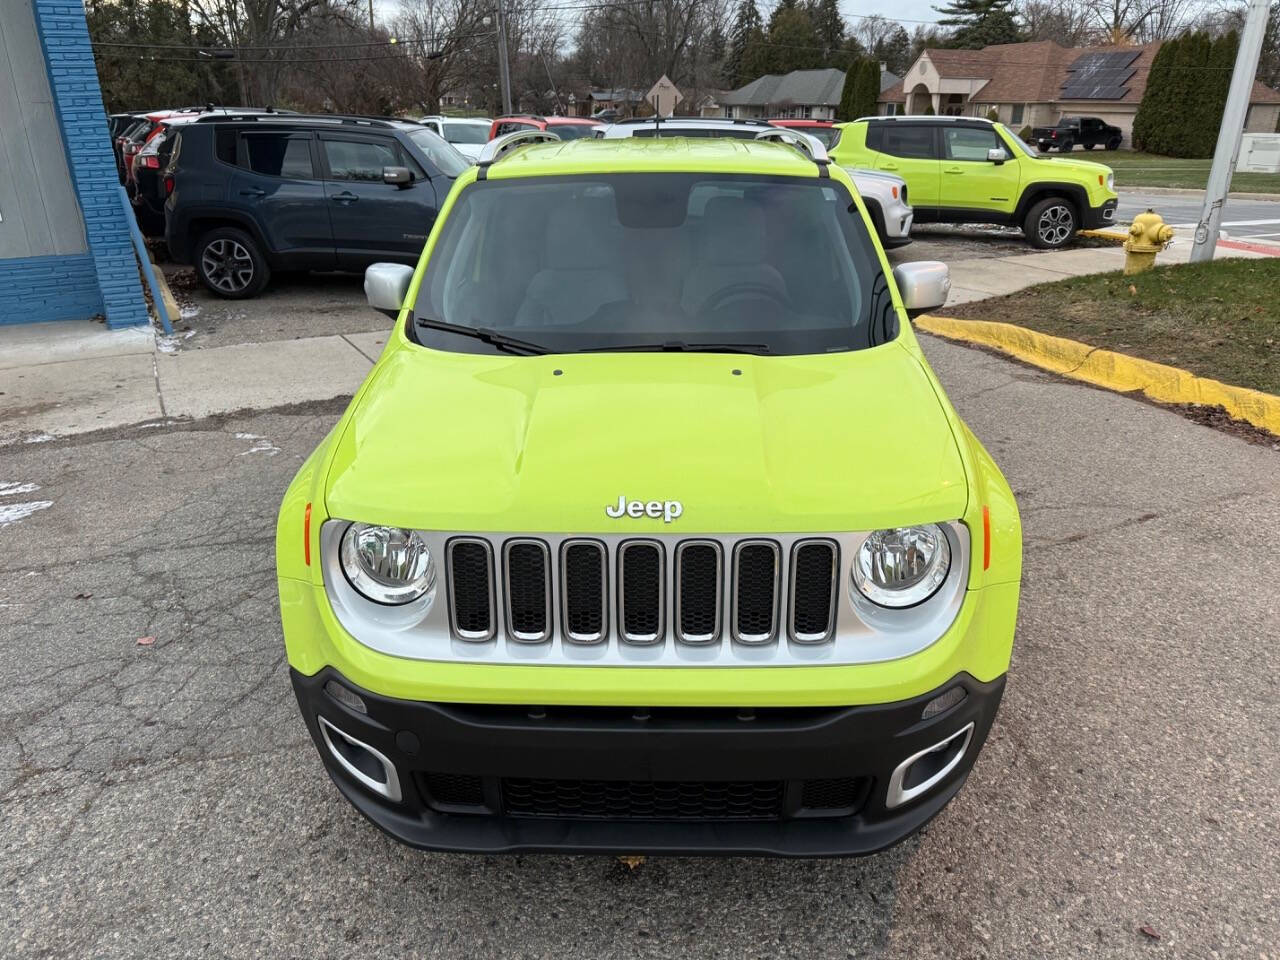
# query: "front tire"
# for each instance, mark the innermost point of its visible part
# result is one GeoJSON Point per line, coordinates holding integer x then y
{"type": "Point", "coordinates": [1051, 223]}
{"type": "Point", "coordinates": [1113, 143]}
{"type": "Point", "coordinates": [229, 263]}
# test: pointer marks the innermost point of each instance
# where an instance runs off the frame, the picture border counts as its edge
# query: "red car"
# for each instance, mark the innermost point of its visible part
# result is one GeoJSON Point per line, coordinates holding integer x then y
{"type": "Point", "coordinates": [567, 128]}
{"type": "Point", "coordinates": [824, 130]}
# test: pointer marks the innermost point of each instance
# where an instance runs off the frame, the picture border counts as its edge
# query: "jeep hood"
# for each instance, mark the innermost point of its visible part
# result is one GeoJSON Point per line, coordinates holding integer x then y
{"type": "Point", "coordinates": [747, 444]}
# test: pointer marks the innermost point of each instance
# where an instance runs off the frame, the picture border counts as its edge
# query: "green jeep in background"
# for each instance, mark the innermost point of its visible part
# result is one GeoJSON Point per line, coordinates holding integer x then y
{"type": "Point", "coordinates": [967, 170]}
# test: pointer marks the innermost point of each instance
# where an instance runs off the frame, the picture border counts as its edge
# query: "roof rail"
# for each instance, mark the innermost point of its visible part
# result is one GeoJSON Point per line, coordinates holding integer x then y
{"type": "Point", "coordinates": [806, 143]}
{"type": "Point", "coordinates": [499, 147]}
{"type": "Point", "coordinates": [947, 118]}
{"type": "Point", "coordinates": [736, 121]}
{"type": "Point", "coordinates": [333, 118]}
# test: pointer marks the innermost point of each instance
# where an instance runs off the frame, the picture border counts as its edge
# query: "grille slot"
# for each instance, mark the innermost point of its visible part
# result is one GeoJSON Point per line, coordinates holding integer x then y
{"type": "Point", "coordinates": [584, 572]}
{"type": "Point", "coordinates": [640, 577]}
{"type": "Point", "coordinates": [840, 794]}
{"type": "Point", "coordinates": [453, 790]}
{"type": "Point", "coordinates": [814, 566]}
{"type": "Point", "coordinates": [756, 565]}
{"type": "Point", "coordinates": [643, 800]}
{"type": "Point", "coordinates": [471, 605]}
{"type": "Point", "coordinates": [527, 565]}
{"type": "Point", "coordinates": [698, 591]}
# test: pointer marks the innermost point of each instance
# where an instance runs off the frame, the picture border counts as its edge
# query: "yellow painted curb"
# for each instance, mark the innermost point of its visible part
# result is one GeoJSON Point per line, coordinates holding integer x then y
{"type": "Point", "coordinates": [1110, 235]}
{"type": "Point", "coordinates": [1114, 371]}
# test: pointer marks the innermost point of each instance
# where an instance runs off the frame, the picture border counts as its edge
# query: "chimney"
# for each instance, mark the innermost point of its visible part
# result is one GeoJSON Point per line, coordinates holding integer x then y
{"type": "Point", "coordinates": [884, 66]}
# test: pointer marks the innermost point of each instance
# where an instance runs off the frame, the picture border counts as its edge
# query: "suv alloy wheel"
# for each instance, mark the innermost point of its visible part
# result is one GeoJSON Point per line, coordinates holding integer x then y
{"type": "Point", "coordinates": [228, 262]}
{"type": "Point", "coordinates": [1050, 224]}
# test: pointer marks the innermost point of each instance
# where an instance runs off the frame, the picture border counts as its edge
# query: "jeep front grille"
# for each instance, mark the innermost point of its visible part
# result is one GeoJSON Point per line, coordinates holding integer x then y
{"type": "Point", "coordinates": [657, 599]}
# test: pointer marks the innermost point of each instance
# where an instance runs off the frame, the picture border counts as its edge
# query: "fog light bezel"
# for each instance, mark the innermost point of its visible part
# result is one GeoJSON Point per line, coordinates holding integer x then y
{"type": "Point", "coordinates": [897, 795]}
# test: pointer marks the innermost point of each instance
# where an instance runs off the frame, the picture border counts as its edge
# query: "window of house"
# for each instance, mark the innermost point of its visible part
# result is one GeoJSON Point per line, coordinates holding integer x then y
{"type": "Point", "coordinates": [968, 143]}
{"type": "Point", "coordinates": [280, 155]}
{"type": "Point", "coordinates": [1016, 116]}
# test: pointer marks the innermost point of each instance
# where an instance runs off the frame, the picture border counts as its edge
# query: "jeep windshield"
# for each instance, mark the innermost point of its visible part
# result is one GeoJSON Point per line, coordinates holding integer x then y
{"type": "Point", "coordinates": [660, 261]}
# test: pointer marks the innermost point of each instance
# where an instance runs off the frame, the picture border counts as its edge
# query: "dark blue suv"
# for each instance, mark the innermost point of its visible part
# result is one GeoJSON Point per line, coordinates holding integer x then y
{"type": "Point", "coordinates": [249, 194]}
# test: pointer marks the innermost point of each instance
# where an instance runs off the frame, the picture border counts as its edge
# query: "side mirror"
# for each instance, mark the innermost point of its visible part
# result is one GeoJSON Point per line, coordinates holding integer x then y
{"type": "Point", "coordinates": [997, 155]}
{"type": "Point", "coordinates": [386, 285]}
{"type": "Point", "coordinates": [924, 285]}
{"type": "Point", "coordinates": [397, 176]}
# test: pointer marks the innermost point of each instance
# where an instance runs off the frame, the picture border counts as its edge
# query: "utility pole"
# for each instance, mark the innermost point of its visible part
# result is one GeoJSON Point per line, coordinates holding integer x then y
{"type": "Point", "coordinates": [504, 68]}
{"type": "Point", "coordinates": [370, 15]}
{"type": "Point", "coordinates": [1229, 134]}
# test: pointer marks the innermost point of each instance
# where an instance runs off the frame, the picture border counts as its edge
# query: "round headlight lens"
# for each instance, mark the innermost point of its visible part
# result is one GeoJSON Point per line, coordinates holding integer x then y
{"type": "Point", "coordinates": [387, 564]}
{"type": "Point", "coordinates": [902, 566]}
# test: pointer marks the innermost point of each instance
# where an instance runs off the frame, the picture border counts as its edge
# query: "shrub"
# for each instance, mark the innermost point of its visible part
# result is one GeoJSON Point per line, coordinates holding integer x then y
{"type": "Point", "coordinates": [1025, 134]}
{"type": "Point", "coordinates": [993, 114]}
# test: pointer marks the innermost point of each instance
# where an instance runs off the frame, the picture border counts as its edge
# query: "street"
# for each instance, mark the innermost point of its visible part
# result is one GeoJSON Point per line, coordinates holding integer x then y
{"type": "Point", "coordinates": [161, 798]}
{"type": "Point", "coordinates": [1241, 218]}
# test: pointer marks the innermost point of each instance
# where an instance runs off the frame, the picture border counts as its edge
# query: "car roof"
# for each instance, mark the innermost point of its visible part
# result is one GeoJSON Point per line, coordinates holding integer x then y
{"type": "Point", "coordinates": [657, 155]}
{"type": "Point", "coordinates": [927, 118]}
{"type": "Point", "coordinates": [327, 120]}
{"type": "Point", "coordinates": [474, 121]}
{"type": "Point", "coordinates": [799, 122]}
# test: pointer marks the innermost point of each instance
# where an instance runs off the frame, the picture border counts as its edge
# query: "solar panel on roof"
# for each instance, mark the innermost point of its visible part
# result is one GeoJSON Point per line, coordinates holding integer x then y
{"type": "Point", "coordinates": [1100, 76]}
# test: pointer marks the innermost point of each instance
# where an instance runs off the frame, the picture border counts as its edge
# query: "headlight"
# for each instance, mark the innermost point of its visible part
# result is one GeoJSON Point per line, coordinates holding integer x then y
{"type": "Point", "coordinates": [387, 564]}
{"type": "Point", "coordinates": [902, 566]}
{"type": "Point", "coordinates": [1111, 182]}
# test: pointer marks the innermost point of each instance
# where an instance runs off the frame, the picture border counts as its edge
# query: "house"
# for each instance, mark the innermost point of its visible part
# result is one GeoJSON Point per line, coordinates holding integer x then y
{"type": "Point", "coordinates": [1034, 84]}
{"type": "Point", "coordinates": [625, 102]}
{"type": "Point", "coordinates": [65, 248]}
{"type": "Point", "coordinates": [800, 94]}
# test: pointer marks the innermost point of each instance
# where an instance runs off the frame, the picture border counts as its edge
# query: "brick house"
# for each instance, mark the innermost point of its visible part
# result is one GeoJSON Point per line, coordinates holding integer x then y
{"type": "Point", "coordinates": [65, 247]}
{"type": "Point", "coordinates": [1037, 83]}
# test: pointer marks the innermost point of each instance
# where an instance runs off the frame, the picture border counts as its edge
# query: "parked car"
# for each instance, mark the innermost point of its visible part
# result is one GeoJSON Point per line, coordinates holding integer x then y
{"type": "Point", "coordinates": [147, 187]}
{"type": "Point", "coordinates": [824, 130]}
{"type": "Point", "coordinates": [566, 128]}
{"type": "Point", "coordinates": [252, 193]}
{"type": "Point", "coordinates": [884, 194]}
{"type": "Point", "coordinates": [968, 170]}
{"type": "Point", "coordinates": [1089, 132]}
{"type": "Point", "coordinates": [761, 591]}
{"type": "Point", "coordinates": [467, 134]}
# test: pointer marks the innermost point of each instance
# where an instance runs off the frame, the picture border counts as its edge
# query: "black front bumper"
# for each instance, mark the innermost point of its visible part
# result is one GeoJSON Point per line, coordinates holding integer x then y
{"type": "Point", "coordinates": [1096, 217]}
{"type": "Point", "coordinates": [805, 781]}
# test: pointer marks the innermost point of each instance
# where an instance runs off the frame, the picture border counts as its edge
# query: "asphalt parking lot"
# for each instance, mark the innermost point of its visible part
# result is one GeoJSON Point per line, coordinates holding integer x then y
{"type": "Point", "coordinates": [160, 797]}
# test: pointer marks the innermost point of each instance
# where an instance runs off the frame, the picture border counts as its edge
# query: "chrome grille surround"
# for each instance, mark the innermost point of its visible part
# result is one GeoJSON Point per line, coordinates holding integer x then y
{"type": "Point", "coordinates": [585, 592]}
{"type": "Point", "coordinates": [633, 548]}
{"type": "Point", "coordinates": [738, 586]}
{"type": "Point", "coordinates": [793, 628]}
{"type": "Point", "coordinates": [459, 631]}
{"type": "Point", "coordinates": [527, 636]}
{"type": "Point", "coordinates": [862, 633]}
{"type": "Point", "coordinates": [685, 606]}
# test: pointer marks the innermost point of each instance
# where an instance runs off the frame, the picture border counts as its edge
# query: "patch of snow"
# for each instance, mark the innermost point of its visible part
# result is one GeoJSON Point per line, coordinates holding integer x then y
{"type": "Point", "coordinates": [13, 512]}
{"type": "Point", "coordinates": [262, 445]}
{"type": "Point", "coordinates": [39, 438]}
{"type": "Point", "coordinates": [248, 436]}
{"type": "Point", "coordinates": [12, 489]}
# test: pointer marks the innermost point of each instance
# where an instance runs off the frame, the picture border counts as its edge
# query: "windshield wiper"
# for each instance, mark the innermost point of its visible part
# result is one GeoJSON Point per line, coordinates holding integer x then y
{"type": "Point", "coordinates": [680, 346]}
{"type": "Point", "coordinates": [485, 335]}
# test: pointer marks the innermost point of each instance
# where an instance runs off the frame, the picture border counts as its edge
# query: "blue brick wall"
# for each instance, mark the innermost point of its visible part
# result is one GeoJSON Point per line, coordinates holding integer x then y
{"type": "Point", "coordinates": [49, 288]}
{"type": "Point", "coordinates": [73, 79]}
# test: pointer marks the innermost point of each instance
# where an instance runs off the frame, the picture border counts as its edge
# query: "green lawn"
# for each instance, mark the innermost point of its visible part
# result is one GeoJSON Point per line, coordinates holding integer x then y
{"type": "Point", "coordinates": [1150, 170]}
{"type": "Point", "coordinates": [1219, 320]}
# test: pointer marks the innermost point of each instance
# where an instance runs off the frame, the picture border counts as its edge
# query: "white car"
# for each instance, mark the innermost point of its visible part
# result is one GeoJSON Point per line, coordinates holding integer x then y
{"type": "Point", "coordinates": [467, 134]}
{"type": "Point", "coordinates": [884, 194]}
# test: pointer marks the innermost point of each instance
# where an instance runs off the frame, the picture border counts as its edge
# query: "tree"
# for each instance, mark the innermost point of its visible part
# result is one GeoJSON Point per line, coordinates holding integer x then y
{"type": "Point", "coordinates": [979, 23]}
{"type": "Point", "coordinates": [792, 43]}
{"type": "Point", "coordinates": [894, 51]}
{"type": "Point", "coordinates": [867, 92]}
{"type": "Point", "coordinates": [748, 29]}
{"type": "Point", "coordinates": [828, 25]}
{"type": "Point", "coordinates": [1186, 93]}
{"type": "Point", "coordinates": [1062, 21]}
{"type": "Point", "coordinates": [845, 111]}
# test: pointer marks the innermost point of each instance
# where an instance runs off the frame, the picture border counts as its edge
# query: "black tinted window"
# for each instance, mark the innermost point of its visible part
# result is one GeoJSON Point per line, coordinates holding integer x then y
{"type": "Point", "coordinates": [968, 143]}
{"type": "Point", "coordinates": [224, 145]}
{"type": "Point", "coordinates": [280, 155]}
{"type": "Point", "coordinates": [907, 140]}
{"type": "Point", "coordinates": [359, 159]}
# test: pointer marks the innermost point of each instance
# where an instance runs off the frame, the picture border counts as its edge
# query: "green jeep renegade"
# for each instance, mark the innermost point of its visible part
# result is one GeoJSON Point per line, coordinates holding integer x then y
{"type": "Point", "coordinates": [651, 530]}
{"type": "Point", "coordinates": [967, 170]}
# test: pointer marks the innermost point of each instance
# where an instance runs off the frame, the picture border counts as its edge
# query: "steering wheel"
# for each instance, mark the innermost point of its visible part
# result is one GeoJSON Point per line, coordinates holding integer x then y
{"type": "Point", "coordinates": [744, 290]}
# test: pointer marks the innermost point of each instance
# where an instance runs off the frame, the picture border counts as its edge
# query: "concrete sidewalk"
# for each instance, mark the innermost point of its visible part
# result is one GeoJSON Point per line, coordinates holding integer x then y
{"type": "Point", "coordinates": [68, 378]}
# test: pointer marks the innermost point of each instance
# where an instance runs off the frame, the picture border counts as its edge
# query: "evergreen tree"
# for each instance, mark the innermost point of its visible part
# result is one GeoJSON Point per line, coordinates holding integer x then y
{"type": "Point", "coordinates": [867, 88]}
{"type": "Point", "coordinates": [844, 111]}
{"type": "Point", "coordinates": [748, 28]}
{"type": "Point", "coordinates": [1186, 93]}
{"type": "Point", "coordinates": [979, 23]}
{"type": "Point", "coordinates": [792, 42]}
{"type": "Point", "coordinates": [784, 6]}
{"type": "Point", "coordinates": [1150, 117]}
{"type": "Point", "coordinates": [894, 51]}
{"type": "Point", "coordinates": [829, 26]}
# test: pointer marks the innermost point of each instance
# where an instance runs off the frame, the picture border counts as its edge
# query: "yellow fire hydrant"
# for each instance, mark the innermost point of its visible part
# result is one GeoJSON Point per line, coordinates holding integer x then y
{"type": "Point", "coordinates": [1148, 235]}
